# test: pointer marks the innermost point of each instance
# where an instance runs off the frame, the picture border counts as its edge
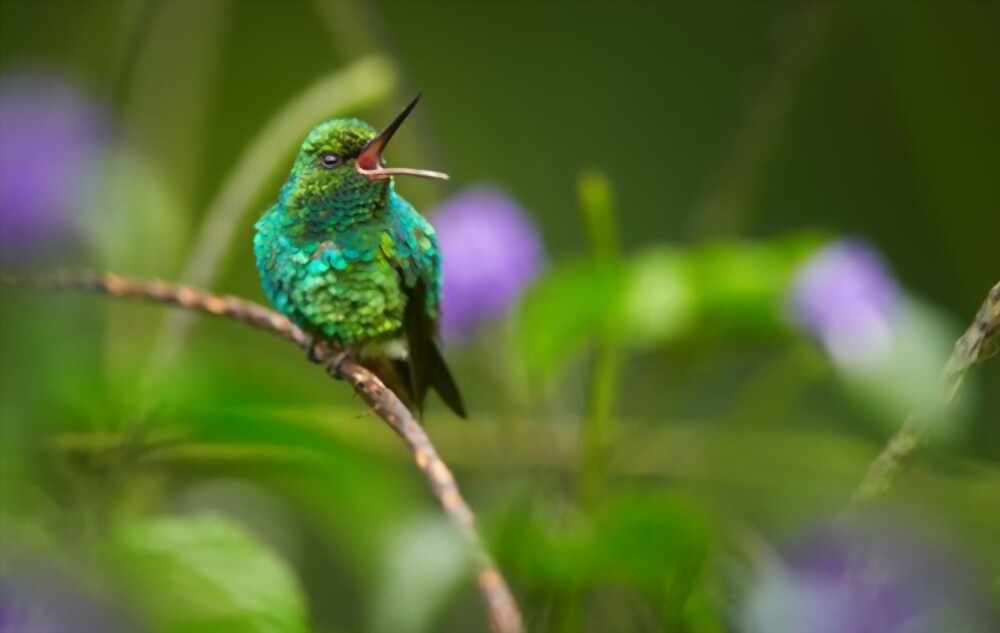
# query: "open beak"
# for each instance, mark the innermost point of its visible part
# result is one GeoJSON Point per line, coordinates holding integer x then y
{"type": "Point", "coordinates": [369, 161]}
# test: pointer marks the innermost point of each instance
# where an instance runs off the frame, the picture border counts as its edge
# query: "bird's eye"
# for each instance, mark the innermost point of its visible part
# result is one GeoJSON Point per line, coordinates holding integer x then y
{"type": "Point", "coordinates": [328, 160]}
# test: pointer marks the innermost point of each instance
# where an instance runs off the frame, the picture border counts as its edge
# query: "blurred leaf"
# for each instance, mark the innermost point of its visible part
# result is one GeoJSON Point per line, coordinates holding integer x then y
{"type": "Point", "coordinates": [134, 221]}
{"type": "Point", "coordinates": [168, 91]}
{"type": "Point", "coordinates": [425, 560]}
{"type": "Point", "coordinates": [660, 300]}
{"type": "Point", "coordinates": [743, 285]}
{"type": "Point", "coordinates": [206, 575]}
{"type": "Point", "coordinates": [659, 545]}
{"type": "Point", "coordinates": [702, 613]}
{"type": "Point", "coordinates": [544, 553]}
{"type": "Point", "coordinates": [656, 297]}
{"type": "Point", "coordinates": [654, 543]}
{"type": "Point", "coordinates": [348, 476]}
{"type": "Point", "coordinates": [562, 314]}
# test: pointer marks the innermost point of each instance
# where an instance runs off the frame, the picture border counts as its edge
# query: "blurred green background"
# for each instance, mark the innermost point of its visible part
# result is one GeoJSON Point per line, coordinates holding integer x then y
{"type": "Point", "coordinates": [657, 442]}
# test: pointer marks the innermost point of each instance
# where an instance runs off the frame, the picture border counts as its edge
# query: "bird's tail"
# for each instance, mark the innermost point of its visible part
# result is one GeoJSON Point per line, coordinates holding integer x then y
{"type": "Point", "coordinates": [397, 375]}
{"type": "Point", "coordinates": [394, 374]}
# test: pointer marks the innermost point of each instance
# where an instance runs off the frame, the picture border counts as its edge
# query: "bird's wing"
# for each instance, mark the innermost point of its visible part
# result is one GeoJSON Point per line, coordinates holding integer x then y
{"type": "Point", "coordinates": [426, 365]}
{"type": "Point", "coordinates": [415, 256]}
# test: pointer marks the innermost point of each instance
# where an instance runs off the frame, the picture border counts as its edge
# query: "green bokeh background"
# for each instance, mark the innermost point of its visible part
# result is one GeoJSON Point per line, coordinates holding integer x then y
{"type": "Point", "coordinates": [715, 123]}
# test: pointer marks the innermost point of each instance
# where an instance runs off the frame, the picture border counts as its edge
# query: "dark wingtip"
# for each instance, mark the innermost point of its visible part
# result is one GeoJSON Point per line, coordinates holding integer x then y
{"type": "Point", "coordinates": [444, 383]}
{"type": "Point", "coordinates": [457, 406]}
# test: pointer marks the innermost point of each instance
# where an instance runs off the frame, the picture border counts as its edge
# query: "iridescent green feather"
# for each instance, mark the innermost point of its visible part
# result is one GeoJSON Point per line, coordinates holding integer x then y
{"type": "Point", "coordinates": [344, 257]}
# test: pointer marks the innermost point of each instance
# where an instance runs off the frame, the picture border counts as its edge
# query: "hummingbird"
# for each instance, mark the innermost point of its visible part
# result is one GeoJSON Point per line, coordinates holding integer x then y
{"type": "Point", "coordinates": [350, 261]}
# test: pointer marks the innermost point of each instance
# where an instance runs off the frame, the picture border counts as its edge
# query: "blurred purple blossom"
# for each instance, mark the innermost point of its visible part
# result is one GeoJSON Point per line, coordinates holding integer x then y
{"type": "Point", "coordinates": [50, 134]}
{"type": "Point", "coordinates": [41, 597]}
{"type": "Point", "coordinates": [491, 253]}
{"type": "Point", "coordinates": [847, 298]}
{"type": "Point", "coordinates": [871, 579]}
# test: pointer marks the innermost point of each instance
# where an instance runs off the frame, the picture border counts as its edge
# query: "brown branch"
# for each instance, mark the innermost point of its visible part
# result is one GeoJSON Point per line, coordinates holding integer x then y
{"type": "Point", "coordinates": [505, 617]}
{"type": "Point", "coordinates": [975, 345]}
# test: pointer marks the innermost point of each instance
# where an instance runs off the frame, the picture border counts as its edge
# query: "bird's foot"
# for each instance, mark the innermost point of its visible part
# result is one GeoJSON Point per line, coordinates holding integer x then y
{"type": "Point", "coordinates": [323, 353]}
{"type": "Point", "coordinates": [333, 362]}
{"type": "Point", "coordinates": [320, 352]}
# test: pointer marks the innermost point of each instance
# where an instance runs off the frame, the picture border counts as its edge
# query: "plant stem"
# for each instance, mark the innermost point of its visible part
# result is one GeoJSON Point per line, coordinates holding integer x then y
{"type": "Point", "coordinates": [595, 436]}
{"type": "Point", "coordinates": [975, 345]}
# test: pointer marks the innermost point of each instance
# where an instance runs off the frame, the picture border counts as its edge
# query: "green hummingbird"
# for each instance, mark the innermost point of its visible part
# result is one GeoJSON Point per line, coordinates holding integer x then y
{"type": "Point", "coordinates": [352, 262]}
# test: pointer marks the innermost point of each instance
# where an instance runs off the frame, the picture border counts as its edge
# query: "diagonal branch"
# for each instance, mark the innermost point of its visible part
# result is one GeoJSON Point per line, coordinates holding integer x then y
{"type": "Point", "coordinates": [975, 345]}
{"type": "Point", "coordinates": [505, 617]}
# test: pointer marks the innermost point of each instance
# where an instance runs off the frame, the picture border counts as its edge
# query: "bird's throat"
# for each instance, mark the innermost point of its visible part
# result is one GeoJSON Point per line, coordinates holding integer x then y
{"type": "Point", "coordinates": [317, 216]}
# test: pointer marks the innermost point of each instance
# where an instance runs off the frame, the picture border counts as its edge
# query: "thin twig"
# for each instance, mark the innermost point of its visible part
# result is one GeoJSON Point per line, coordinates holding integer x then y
{"type": "Point", "coordinates": [800, 38]}
{"type": "Point", "coordinates": [505, 617]}
{"type": "Point", "coordinates": [973, 346]}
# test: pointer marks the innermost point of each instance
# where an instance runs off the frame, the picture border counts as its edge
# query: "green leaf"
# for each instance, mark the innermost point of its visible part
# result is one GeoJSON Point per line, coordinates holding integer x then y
{"type": "Point", "coordinates": [545, 552]}
{"type": "Point", "coordinates": [425, 560]}
{"type": "Point", "coordinates": [656, 543]}
{"type": "Point", "coordinates": [205, 575]}
{"type": "Point", "coordinates": [744, 285]}
{"type": "Point", "coordinates": [660, 302]}
{"type": "Point", "coordinates": [130, 206]}
{"type": "Point", "coordinates": [563, 314]}
{"type": "Point", "coordinates": [656, 297]}
{"type": "Point", "coordinates": [659, 544]}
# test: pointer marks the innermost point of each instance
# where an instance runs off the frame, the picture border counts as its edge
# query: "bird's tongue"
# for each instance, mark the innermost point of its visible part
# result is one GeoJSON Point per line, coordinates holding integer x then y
{"type": "Point", "coordinates": [370, 158]}
{"type": "Point", "coordinates": [369, 162]}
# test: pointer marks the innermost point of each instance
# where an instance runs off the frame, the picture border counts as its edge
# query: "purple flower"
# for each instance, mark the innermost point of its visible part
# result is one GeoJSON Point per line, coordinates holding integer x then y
{"type": "Point", "coordinates": [491, 252]}
{"type": "Point", "coordinates": [50, 135]}
{"type": "Point", "coordinates": [879, 579]}
{"type": "Point", "coordinates": [847, 298]}
{"type": "Point", "coordinates": [41, 597]}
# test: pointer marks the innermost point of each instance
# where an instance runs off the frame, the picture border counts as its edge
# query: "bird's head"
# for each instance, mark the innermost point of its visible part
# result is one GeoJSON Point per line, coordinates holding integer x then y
{"type": "Point", "coordinates": [340, 166]}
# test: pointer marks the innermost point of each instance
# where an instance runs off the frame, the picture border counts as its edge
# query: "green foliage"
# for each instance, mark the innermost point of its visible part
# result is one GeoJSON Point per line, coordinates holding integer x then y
{"type": "Point", "coordinates": [720, 147]}
{"type": "Point", "coordinates": [562, 314]}
{"type": "Point", "coordinates": [205, 575]}
{"type": "Point", "coordinates": [655, 297]}
{"type": "Point", "coordinates": [653, 544]}
{"type": "Point", "coordinates": [421, 569]}
{"type": "Point", "coordinates": [660, 302]}
{"type": "Point", "coordinates": [119, 236]}
{"type": "Point", "coordinates": [744, 286]}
